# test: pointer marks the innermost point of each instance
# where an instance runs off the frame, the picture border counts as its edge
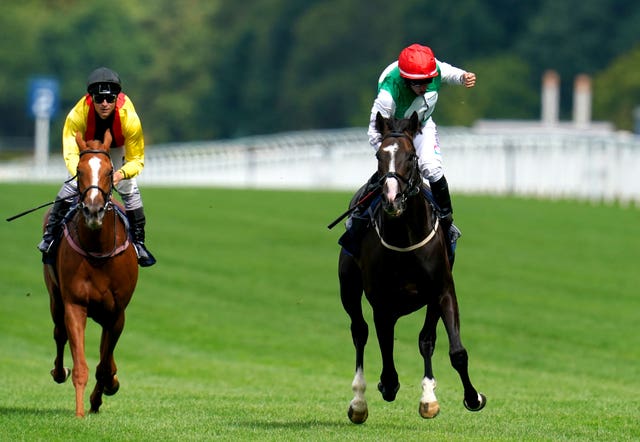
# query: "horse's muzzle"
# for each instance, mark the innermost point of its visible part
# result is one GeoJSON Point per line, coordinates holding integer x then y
{"type": "Point", "coordinates": [93, 215]}
{"type": "Point", "coordinates": [393, 201]}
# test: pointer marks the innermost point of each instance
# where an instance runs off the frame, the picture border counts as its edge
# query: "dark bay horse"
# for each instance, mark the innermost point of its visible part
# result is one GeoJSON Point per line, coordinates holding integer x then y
{"type": "Point", "coordinates": [94, 275]}
{"type": "Point", "coordinates": [402, 267]}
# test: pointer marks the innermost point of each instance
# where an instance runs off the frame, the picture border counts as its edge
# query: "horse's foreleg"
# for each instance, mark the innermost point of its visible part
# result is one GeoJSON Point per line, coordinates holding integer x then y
{"type": "Point", "coordinates": [76, 321]}
{"type": "Point", "coordinates": [106, 378]}
{"type": "Point", "coordinates": [388, 384]}
{"type": "Point", "coordinates": [429, 406]}
{"type": "Point", "coordinates": [473, 400]}
{"type": "Point", "coordinates": [358, 411]}
{"type": "Point", "coordinates": [60, 373]}
{"type": "Point", "coordinates": [351, 297]}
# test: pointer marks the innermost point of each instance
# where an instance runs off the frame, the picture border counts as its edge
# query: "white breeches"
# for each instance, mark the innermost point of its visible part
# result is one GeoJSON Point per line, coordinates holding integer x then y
{"type": "Point", "coordinates": [427, 147]}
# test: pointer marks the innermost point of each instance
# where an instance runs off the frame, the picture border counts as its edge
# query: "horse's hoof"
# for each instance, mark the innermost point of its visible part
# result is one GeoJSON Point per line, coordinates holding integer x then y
{"type": "Point", "coordinates": [110, 391]}
{"type": "Point", "coordinates": [357, 417]}
{"type": "Point", "coordinates": [388, 395]}
{"type": "Point", "coordinates": [482, 401]}
{"type": "Point", "coordinates": [63, 379]}
{"type": "Point", "coordinates": [429, 410]}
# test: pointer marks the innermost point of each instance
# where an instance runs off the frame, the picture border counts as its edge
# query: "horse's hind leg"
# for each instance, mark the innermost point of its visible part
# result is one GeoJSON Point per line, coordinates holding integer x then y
{"type": "Point", "coordinates": [429, 406]}
{"type": "Point", "coordinates": [473, 400]}
{"type": "Point", "coordinates": [351, 297]}
{"type": "Point", "coordinates": [106, 378]}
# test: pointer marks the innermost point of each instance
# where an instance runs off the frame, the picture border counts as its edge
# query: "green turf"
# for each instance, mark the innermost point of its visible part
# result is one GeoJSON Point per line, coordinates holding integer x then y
{"type": "Point", "coordinates": [238, 333]}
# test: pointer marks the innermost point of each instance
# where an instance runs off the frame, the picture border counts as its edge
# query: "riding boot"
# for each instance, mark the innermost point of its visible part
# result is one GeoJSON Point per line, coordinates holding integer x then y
{"type": "Point", "coordinates": [137, 222]}
{"type": "Point", "coordinates": [53, 227]}
{"type": "Point", "coordinates": [440, 191]}
{"type": "Point", "coordinates": [358, 222]}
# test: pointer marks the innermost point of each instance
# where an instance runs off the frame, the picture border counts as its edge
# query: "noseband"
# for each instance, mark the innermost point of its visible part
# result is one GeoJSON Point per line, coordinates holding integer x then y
{"type": "Point", "coordinates": [105, 194]}
{"type": "Point", "coordinates": [414, 182]}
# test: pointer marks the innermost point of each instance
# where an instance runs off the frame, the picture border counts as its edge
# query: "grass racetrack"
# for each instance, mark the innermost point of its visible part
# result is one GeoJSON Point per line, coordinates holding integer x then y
{"type": "Point", "coordinates": [238, 332]}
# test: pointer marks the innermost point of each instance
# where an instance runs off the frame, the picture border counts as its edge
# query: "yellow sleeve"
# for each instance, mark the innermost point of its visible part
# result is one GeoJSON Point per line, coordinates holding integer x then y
{"type": "Point", "coordinates": [76, 121]}
{"type": "Point", "coordinates": [133, 140]}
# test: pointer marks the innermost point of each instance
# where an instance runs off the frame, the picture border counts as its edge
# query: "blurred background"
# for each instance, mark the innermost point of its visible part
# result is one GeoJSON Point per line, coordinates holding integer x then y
{"type": "Point", "coordinates": [202, 70]}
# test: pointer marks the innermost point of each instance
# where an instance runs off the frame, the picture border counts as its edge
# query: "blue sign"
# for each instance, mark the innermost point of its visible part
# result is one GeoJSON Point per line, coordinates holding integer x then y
{"type": "Point", "coordinates": [43, 97]}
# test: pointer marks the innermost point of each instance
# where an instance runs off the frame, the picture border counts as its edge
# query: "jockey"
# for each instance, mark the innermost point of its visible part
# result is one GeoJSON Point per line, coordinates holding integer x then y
{"type": "Point", "coordinates": [104, 107]}
{"type": "Point", "coordinates": [408, 85]}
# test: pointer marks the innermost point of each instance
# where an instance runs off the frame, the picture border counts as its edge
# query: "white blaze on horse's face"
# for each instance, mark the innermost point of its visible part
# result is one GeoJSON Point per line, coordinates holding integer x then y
{"type": "Point", "coordinates": [93, 204]}
{"type": "Point", "coordinates": [94, 165]}
{"type": "Point", "coordinates": [391, 184]}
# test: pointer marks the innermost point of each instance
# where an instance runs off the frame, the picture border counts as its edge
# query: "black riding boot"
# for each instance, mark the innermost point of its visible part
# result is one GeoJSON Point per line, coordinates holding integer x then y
{"type": "Point", "coordinates": [54, 224]}
{"type": "Point", "coordinates": [358, 221]}
{"type": "Point", "coordinates": [137, 221]}
{"type": "Point", "coordinates": [440, 191]}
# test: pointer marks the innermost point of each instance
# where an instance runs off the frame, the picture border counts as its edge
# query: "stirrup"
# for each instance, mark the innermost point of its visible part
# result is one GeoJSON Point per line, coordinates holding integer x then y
{"type": "Point", "coordinates": [45, 246]}
{"type": "Point", "coordinates": [454, 234]}
{"type": "Point", "coordinates": [145, 258]}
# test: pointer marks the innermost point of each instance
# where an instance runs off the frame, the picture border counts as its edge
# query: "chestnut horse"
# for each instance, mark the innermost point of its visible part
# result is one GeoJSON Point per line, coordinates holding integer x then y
{"type": "Point", "coordinates": [402, 267]}
{"type": "Point", "coordinates": [94, 275]}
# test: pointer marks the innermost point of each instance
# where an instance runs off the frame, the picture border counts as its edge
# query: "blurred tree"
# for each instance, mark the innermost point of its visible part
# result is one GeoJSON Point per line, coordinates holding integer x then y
{"type": "Point", "coordinates": [201, 69]}
{"type": "Point", "coordinates": [616, 90]}
{"type": "Point", "coordinates": [502, 92]}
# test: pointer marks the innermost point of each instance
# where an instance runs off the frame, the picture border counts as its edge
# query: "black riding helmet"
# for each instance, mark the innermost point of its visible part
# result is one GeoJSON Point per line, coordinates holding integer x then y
{"type": "Point", "coordinates": [103, 81]}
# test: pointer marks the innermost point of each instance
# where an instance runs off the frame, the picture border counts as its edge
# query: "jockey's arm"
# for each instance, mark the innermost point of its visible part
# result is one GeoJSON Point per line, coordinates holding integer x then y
{"type": "Point", "coordinates": [133, 143]}
{"type": "Point", "coordinates": [386, 106]}
{"type": "Point", "coordinates": [76, 121]}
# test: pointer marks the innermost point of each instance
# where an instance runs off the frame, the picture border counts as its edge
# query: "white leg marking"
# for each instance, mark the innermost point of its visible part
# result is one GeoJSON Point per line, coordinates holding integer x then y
{"type": "Point", "coordinates": [428, 390]}
{"type": "Point", "coordinates": [358, 411]}
{"type": "Point", "coordinates": [359, 386]}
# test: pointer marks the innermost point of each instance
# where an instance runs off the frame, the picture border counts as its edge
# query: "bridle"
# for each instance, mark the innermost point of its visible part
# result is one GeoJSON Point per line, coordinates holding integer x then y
{"type": "Point", "coordinates": [106, 194]}
{"type": "Point", "coordinates": [413, 184]}
{"type": "Point", "coordinates": [108, 205]}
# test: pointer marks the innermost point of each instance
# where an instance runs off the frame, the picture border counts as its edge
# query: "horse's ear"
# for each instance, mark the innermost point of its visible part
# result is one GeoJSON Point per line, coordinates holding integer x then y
{"type": "Point", "coordinates": [80, 141]}
{"type": "Point", "coordinates": [381, 124]}
{"type": "Point", "coordinates": [414, 123]}
{"type": "Point", "coordinates": [107, 139]}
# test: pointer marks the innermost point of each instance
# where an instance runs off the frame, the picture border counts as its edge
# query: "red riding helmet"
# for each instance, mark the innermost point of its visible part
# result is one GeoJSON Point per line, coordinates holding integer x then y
{"type": "Point", "coordinates": [417, 62]}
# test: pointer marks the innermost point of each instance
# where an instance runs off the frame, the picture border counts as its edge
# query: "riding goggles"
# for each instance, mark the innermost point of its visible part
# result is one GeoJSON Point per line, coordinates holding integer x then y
{"type": "Point", "coordinates": [418, 82]}
{"type": "Point", "coordinates": [99, 98]}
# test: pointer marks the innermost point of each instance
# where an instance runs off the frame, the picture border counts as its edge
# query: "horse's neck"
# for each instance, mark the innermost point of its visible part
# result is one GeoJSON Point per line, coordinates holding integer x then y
{"type": "Point", "coordinates": [414, 224]}
{"type": "Point", "coordinates": [111, 233]}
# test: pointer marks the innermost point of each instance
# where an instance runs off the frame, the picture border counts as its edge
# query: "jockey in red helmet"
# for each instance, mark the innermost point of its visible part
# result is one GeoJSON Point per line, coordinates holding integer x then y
{"type": "Point", "coordinates": [411, 84]}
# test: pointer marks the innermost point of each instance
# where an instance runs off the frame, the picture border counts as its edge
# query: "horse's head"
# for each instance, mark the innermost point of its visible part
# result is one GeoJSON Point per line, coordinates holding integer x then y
{"type": "Point", "coordinates": [95, 179]}
{"type": "Point", "coordinates": [398, 162]}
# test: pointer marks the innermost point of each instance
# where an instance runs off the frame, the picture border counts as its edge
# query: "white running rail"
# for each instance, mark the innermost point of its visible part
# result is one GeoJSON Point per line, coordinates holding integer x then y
{"type": "Point", "coordinates": [540, 164]}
